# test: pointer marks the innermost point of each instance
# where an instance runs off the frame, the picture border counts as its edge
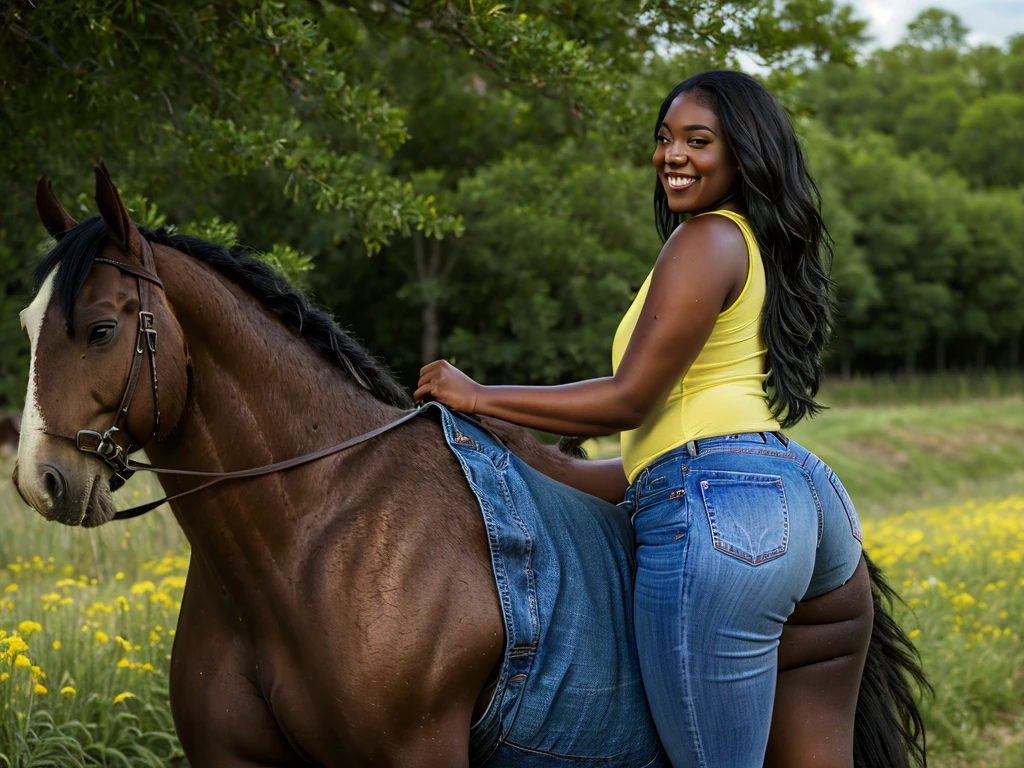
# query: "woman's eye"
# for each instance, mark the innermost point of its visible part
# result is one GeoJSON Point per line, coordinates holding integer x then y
{"type": "Point", "coordinates": [699, 142]}
{"type": "Point", "coordinates": [663, 140]}
{"type": "Point", "coordinates": [101, 333]}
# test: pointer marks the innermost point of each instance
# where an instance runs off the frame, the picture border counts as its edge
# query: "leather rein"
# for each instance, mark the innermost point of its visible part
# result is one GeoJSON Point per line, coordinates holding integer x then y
{"type": "Point", "coordinates": [110, 452]}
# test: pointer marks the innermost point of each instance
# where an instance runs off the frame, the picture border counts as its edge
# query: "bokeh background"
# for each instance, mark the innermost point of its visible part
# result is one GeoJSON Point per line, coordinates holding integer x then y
{"type": "Point", "coordinates": [472, 180]}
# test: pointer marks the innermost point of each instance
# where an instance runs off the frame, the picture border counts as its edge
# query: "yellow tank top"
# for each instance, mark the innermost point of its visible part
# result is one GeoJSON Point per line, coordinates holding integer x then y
{"type": "Point", "coordinates": [722, 393]}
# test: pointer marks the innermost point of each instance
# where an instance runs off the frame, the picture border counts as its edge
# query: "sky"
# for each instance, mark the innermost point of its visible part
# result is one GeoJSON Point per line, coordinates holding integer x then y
{"type": "Point", "coordinates": [990, 21]}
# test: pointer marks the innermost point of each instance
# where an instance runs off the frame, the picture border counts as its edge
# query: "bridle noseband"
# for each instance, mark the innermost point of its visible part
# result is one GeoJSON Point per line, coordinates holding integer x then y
{"type": "Point", "coordinates": [110, 452]}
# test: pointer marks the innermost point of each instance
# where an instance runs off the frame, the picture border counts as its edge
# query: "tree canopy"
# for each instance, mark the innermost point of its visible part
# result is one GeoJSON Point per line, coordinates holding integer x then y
{"type": "Point", "coordinates": [491, 160]}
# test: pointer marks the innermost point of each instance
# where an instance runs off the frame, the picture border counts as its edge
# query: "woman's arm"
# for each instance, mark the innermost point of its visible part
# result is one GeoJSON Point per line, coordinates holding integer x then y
{"type": "Point", "coordinates": [604, 478]}
{"type": "Point", "coordinates": [703, 265]}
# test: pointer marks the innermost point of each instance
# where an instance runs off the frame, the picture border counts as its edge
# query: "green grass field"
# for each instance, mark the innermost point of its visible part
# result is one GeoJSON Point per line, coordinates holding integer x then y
{"type": "Point", "coordinates": [87, 616]}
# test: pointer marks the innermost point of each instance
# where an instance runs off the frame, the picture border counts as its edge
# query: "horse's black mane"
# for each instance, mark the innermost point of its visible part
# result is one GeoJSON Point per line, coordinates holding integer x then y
{"type": "Point", "coordinates": [78, 247]}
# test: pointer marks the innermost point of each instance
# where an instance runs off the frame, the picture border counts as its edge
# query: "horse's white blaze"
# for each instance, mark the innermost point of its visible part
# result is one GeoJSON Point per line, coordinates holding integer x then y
{"type": "Point", "coordinates": [32, 423]}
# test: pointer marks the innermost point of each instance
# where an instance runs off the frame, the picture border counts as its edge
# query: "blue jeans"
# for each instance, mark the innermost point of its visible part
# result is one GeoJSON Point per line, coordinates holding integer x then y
{"type": "Point", "coordinates": [569, 690]}
{"type": "Point", "coordinates": [731, 532]}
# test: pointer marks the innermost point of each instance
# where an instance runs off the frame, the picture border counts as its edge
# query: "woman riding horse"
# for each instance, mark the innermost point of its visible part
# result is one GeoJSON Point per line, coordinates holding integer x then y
{"type": "Point", "coordinates": [753, 604]}
{"type": "Point", "coordinates": [421, 598]}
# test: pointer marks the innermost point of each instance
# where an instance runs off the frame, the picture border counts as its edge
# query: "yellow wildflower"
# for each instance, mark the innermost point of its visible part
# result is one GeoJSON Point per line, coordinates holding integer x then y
{"type": "Point", "coordinates": [39, 689]}
{"type": "Point", "coordinates": [11, 588]}
{"type": "Point", "coordinates": [22, 661]}
{"type": "Point", "coordinates": [56, 645]}
{"type": "Point", "coordinates": [143, 587]}
{"type": "Point", "coordinates": [119, 575]}
{"type": "Point", "coordinates": [4, 676]}
{"type": "Point", "coordinates": [15, 645]}
{"type": "Point", "coordinates": [102, 637]}
{"type": "Point", "coordinates": [67, 690]}
{"type": "Point", "coordinates": [122, 696]}
{"type": "Point", "coordinates": [124, 643]}
{"type": "Point", "coordinates": [914, 633]}
{"type": "Point", "coordinates": [28, 627]}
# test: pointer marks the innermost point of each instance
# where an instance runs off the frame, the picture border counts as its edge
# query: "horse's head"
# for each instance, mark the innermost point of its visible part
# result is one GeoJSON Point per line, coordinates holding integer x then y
{"type": "Point", "coordinates": [97, 324]}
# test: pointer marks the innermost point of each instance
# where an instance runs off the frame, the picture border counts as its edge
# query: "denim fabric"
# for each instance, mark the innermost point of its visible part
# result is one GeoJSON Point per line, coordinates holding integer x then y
{"type": "Point", "coordinates": [731, 532]}
{"type": "Point", "coordinates": [569, 691]}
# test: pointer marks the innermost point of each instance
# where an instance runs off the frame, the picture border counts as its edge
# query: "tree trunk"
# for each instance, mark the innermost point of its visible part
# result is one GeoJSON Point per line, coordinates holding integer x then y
{"type": "Point", "coordinates": [845, 367]}
{"type": "Point", "coordinates": [1014, 352]}
{"type": "Point", "coordinates": [979, 359]}
{"type": "Point", "coordinates": [940, 355]}
{"type": "Point", "coordinates": [908, 363]}
{"type": "Point", "coordinates": [430, 269]}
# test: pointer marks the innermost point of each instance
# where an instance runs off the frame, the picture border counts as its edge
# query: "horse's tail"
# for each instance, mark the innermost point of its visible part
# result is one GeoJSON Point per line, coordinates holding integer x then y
{"type": "Point", "coordinates": [889, 731]}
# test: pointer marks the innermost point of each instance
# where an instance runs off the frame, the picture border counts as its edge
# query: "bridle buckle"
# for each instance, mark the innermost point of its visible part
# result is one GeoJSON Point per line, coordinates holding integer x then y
{"type": "Point", "coordinates": [101, 445]}
{"type": "Point", "coordinates": [147, 332]}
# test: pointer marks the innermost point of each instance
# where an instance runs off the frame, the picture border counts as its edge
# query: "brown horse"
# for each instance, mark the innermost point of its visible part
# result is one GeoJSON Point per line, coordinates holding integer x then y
{"type": "Point", "coordinates": [342, 613]}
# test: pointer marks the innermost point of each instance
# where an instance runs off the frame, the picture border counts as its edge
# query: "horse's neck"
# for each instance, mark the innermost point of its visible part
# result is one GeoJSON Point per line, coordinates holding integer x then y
{"type": "Point", "coordinates": [259, 394]}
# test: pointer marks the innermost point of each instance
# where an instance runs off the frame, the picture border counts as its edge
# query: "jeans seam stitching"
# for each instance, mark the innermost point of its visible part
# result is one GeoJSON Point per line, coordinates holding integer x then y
{"type": "Point", "coordinates": [690, 711]}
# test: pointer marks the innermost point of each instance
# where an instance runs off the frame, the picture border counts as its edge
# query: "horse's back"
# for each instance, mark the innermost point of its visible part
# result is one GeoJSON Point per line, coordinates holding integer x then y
{"type": "Point", "coordinates": [569, 687]}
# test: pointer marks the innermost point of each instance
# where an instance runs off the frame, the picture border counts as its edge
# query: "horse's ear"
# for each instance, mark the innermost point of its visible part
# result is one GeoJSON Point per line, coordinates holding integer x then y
{"type": "Point", "coordinates": [54, 216]}
{"type": "Point", "coordinates": [119, 224]}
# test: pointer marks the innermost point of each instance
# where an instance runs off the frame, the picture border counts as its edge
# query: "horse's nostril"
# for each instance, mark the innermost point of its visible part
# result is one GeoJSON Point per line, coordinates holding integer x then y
{"type": "Point", "coordinates": [54, 482]}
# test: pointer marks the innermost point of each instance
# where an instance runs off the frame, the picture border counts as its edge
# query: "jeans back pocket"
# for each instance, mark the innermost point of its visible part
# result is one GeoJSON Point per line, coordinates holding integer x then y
{"type": "Point", "coordinates": [748, 515]}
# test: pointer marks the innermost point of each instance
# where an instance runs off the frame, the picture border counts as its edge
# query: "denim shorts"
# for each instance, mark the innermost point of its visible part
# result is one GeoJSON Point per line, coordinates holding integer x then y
{"type": "Point", "coordinates": [731, 532]}
{"type": "Point", "coordinates": [569, 691]}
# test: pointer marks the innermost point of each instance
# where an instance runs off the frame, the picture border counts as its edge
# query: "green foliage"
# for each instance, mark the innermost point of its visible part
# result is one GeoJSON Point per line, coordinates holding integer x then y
{"type": "Point", "coordinates": [992, 128]}
{"type": "Point", "coordinates": [559, 240]}
{"type": "Point", "coordinates": [934, 28]}
{"type": "Point", "coordinates": [314, 127]}
{"type": "Point", "coordinates": [494, 158]}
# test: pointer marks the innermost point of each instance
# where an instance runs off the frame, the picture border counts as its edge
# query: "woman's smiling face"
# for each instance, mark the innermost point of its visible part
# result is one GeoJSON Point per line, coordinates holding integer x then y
{"type": "Point", "coordinates": [693, 159]}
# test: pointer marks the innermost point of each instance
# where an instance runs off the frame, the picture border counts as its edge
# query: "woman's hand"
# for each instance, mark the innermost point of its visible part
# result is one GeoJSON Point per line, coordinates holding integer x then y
{"type": "Point", "coordinates": [447, 384]}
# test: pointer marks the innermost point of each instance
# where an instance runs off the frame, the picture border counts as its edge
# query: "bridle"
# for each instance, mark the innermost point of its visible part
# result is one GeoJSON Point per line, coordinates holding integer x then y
{"type": "Point", "coordinates": [103, 445]}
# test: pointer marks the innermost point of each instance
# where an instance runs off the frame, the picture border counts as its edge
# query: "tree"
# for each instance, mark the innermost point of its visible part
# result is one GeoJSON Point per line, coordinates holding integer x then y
{"type": "Point", "coordinates": [991, 128]}
{"type": "Point", "coordinates": [291, 119]}
{"type": "Point", "coordinates": [934, 28]}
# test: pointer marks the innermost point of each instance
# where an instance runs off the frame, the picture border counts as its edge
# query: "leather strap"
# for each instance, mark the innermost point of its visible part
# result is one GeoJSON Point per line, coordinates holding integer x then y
{"type": "Point", "coordinates": [254, 471]}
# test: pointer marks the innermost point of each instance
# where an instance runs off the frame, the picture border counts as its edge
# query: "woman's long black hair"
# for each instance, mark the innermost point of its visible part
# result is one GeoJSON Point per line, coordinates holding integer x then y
{"type": "Point", "coordinates": [783, 206]}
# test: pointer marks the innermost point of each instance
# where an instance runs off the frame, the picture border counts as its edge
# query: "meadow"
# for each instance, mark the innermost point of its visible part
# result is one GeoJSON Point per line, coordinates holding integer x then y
{"type": "Point", "coordinates": [87, 616]}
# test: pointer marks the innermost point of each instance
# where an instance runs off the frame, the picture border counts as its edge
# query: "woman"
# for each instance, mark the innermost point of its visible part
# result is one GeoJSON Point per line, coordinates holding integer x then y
{"type": "Point", "coordinates": [737, 528]}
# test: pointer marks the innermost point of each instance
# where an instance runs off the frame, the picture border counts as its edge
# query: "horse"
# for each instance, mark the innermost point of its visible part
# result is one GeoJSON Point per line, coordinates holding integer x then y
{"type": "Point", "coordinates": [366, 607]}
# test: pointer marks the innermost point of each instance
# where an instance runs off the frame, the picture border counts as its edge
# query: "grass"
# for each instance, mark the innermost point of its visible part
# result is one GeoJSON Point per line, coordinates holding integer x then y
{"type": "Point", "coordinates": [940, 488]}
{"type": "Point", "coordinates": [894, 457]}
{"type": "Point", "coordinates": [921, 388]}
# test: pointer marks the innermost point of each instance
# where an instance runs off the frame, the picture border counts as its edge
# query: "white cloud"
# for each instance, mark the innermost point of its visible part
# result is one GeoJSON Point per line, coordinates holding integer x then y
{"type": "Point", "coordinates": [990, 21]}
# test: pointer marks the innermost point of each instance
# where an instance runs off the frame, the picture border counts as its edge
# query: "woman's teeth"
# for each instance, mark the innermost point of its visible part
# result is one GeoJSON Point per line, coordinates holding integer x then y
{"type": "Point", "coordinates": [680, 182]}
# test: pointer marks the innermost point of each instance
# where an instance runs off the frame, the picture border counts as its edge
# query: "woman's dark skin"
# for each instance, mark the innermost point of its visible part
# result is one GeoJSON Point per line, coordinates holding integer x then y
{"type": "Point", "coordinates": [699, 273]}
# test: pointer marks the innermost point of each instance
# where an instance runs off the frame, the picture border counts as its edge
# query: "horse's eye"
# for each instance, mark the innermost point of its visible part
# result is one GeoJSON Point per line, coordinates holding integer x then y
{"type": "Point", "coordinates": [101, 333]}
